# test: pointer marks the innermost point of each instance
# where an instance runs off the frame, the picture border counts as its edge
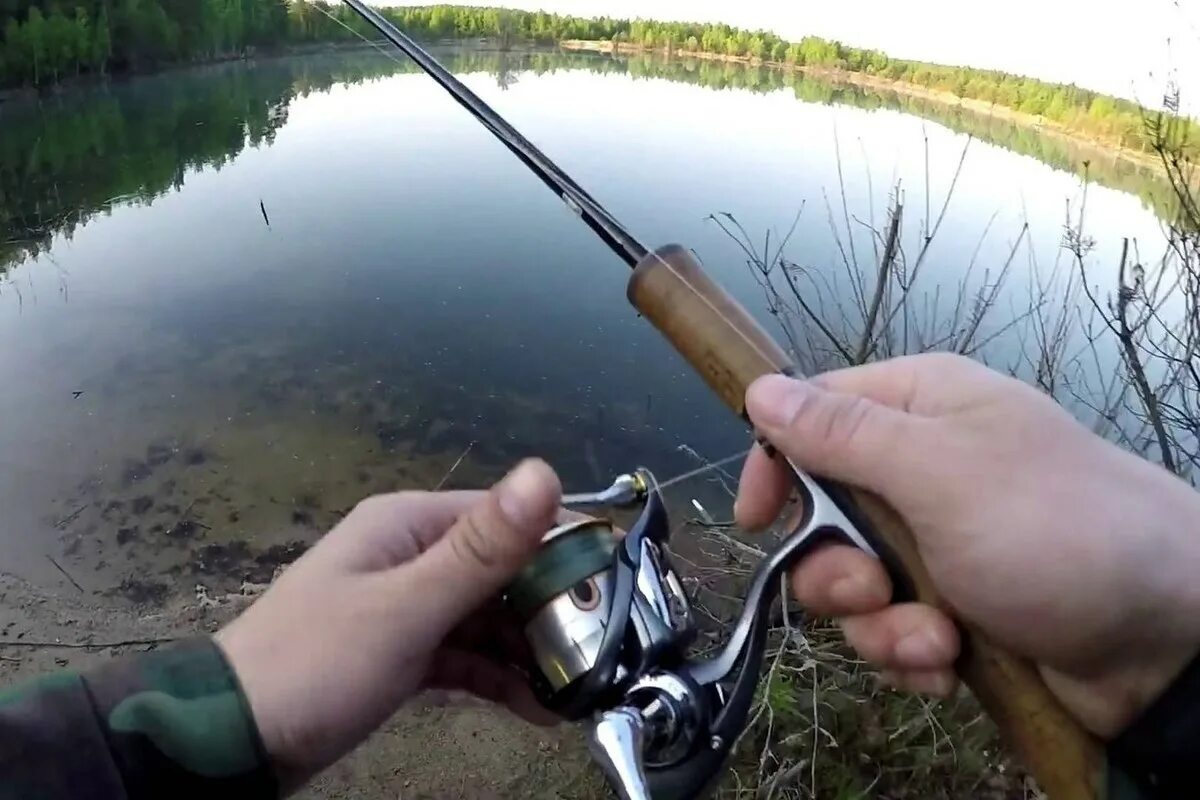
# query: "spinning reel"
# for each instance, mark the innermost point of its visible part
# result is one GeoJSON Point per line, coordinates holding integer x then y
{"type": "Point", "coordinates": [609, 626]}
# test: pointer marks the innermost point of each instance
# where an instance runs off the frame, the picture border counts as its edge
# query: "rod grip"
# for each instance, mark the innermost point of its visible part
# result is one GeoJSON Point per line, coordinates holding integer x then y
{"type": "Point", "coordinates": [729, 349]}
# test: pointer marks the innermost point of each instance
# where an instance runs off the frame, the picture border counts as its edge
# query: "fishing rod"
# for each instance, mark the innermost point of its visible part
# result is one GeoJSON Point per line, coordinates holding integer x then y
{"type": "Point", "coordinates": [606, 617]}
{"type": "Point", "coordinates": [598, 219]}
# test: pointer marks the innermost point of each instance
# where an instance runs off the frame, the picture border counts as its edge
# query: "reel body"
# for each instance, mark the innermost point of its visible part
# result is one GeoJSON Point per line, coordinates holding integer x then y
{"type": "Point", "coordinates": [609, 626]}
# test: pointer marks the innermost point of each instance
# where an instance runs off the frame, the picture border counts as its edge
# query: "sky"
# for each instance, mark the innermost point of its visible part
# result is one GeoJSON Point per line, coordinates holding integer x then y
{"type": "Point", "coordinates": [1129, 48]}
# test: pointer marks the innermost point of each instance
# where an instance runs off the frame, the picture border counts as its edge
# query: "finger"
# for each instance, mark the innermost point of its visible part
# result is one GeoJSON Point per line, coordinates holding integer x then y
{"type": "Point", "coordinates": [840, 580]}
{"type": "Point", "coordinates": [763, 489]}
{"type": "Point", "coordinates": [484, 548]}
{"type": "Point", "coordinates": [386, 530]}
{"type": "Point", "coordinates": [463, 670]}
{"type": "Point", "coordinates": [846, 437]}
{"type": "Point", "coordinates": [905, 637]}
{"type": "Point", "coordinates": [892, 383]}
{"type": "Point", "coordinates": [493, 632]}
{"type": "Point", "coordinates": [934, 682]}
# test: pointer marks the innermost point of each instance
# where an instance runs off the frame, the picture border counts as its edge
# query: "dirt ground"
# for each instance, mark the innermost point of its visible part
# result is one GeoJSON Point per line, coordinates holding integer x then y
{"type": "Point", "coordinates": [436, 747]}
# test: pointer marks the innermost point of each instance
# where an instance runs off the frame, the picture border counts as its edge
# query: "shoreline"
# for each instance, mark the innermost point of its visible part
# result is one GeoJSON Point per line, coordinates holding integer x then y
{"type": "Point", "coordinates": [904, 88]}
{"type": "Point", "coordinates": [75, 82]}
{"type": "Point", "coordinates": [91, 80]}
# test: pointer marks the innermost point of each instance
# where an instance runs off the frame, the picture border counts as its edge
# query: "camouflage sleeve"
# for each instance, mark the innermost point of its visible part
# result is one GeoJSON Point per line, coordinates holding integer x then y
{"type": "Point", "coordinates": [169, 723]}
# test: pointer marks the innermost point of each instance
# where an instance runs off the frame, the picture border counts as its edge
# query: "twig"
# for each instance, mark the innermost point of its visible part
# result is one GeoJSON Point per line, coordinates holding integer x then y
{"type": "Point", "coordinates": [813, 316]}
{"type": "Point", "coordinates": [66, 574]}
{"type": "Point", "coordinates": [783, 777]}
{"type": "Point", "coordinates": [13, 659]}
{"type": "Point", "coordinates": [87, 645]}
{"type": "Point", "coordinates": [1133, 362]}
{"type": "Point", "coordinates": [69, 518]}
{"type": "Point", "coordinates": [453, 467]}
{"type": "Point", "coordinates": [180, 519]}
{"type": "Point", "coordinates": [855, 276]}
{"type": "Point", "coordinates": [885, 267]}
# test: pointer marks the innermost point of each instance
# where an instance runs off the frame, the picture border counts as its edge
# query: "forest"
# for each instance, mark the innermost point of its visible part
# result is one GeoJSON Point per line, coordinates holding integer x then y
{"type": "Point", "coordinates": [48, 40]}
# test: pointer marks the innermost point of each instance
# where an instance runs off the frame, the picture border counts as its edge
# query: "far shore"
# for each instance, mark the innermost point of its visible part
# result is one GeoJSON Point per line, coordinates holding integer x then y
{"type": "Point", "coordinates": [73, 82]}
{"type": "Point", "coordinates": [947, 99]}
{"type": "Point", "coordinates": [1040, 124]}
{"type": "Point", "coordinates": [307, 48]}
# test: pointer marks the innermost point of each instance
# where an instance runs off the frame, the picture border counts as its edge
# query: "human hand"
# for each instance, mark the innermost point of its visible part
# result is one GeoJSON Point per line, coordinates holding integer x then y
{"type": "Point", "coordinates": [385, 605]}
{"type": "Point", "coordinates": [1058, 544]}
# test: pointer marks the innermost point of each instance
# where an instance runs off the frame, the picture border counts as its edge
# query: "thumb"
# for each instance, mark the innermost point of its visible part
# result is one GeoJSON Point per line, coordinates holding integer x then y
{"type": "Point", "coordinates": [486, 546]}
{"type": "Point", "coordinates": [846, 437]}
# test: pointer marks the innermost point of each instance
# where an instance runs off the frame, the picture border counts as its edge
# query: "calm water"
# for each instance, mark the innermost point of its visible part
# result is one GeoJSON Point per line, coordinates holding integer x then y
{"type": "Point", "coordinates": [185, 387]}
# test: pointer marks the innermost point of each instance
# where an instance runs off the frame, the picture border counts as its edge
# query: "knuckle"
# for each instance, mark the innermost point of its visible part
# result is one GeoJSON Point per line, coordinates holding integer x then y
{"type": "Point", "coordinates": [472, 544]}
{"type": "Point", "coordinates": [948, 363]}
{"type": "Point", "coordinates": [839, 423]}
{"type": "Point", "coordinates": [369, 505]}
{"type": "Point", "coordinates": [379, 504]}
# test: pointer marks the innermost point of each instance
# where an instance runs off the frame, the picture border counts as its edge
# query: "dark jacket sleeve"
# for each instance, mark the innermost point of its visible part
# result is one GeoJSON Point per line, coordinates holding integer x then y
{"type": "Point", "coordinates": [168, 723]}
{"type": "Point", "coordinates": [1158, 756]}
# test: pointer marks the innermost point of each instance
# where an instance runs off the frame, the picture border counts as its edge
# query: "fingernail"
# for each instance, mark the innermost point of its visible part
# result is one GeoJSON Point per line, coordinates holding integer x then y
{"type": "Point", "coordinates": [775, 400]}
{"type": "Point", "coordinates": [526, 494]}
{"type": "Point", "coordinates": [921, 647]}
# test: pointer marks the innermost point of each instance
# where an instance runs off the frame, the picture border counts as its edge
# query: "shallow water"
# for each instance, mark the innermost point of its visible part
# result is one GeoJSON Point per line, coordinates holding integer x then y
{"type": "Point", "coordinates": [186, 386]}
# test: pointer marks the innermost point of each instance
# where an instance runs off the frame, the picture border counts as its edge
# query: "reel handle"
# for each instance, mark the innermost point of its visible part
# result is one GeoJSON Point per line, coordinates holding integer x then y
{"type": "Point", "coordinates": [616, 745]}
{"type": "Point", "coordinates": [729, 350]}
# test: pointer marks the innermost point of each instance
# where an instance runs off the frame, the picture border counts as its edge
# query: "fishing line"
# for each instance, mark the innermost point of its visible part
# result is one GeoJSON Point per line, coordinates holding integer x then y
{"type": "Point", "coordinates": [379, 47]}
{"type": "Point", "coordinates": [701, 470]}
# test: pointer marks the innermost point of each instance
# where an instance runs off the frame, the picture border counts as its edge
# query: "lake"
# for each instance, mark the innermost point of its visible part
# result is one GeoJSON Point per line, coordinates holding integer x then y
{"type": "Point", "coordinates": [238, 298]}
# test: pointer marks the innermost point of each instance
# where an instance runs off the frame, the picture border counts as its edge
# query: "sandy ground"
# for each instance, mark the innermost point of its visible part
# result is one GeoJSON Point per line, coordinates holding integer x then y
{"type": "Point", "coordinates": [434, 748]}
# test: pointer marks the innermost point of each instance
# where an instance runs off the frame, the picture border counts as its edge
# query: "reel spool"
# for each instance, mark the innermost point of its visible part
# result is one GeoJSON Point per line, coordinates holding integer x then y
{"type": "Point", "coordinates": [598, 609]}
{"type": "Point", "coordinates": [562, 600]}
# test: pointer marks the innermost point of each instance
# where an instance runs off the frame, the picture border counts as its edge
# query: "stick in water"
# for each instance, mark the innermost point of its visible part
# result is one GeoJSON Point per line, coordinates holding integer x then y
{"type": "Point", "coordinates": [450, 471]}
{"type": "Point", "coordinates": [66, 574]}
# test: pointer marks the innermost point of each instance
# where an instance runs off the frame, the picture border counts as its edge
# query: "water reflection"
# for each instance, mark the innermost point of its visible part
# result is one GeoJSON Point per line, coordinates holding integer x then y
{"type": "Point", "coordinates": [129, 144]}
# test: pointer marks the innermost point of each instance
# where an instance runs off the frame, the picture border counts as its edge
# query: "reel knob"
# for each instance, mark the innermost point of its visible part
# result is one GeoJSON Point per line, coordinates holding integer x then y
{"type": "Point", "coordinates": [616, 744]}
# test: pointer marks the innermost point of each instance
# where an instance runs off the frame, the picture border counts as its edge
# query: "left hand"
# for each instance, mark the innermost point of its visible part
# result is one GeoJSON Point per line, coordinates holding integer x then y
{"type": "Point", "coordinates": [387, 604]}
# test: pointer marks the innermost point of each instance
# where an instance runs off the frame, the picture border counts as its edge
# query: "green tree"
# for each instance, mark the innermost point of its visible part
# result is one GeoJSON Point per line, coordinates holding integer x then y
{"type": "Point", "coordinates": [100, 52]}
{"type": "Point", "coordinates": [1102, 108]}
{"type": "Point", "coordinates": [81, 39]}
{"type": "Point", "coordinates": [35, 41]}
{"type": "Point", "coordinates": [59, 48]}
{"type": "Point", "coordinates": [16, 58]}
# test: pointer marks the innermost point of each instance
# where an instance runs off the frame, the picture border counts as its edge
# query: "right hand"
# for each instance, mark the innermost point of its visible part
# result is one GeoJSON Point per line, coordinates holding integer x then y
{"type": "Point", "coordinates": [1058, 544]}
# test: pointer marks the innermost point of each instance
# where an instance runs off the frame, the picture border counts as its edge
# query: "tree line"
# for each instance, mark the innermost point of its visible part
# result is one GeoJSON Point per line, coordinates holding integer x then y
{"type": "Point", "coordinates": [1110, 119]}
{"type": "Point", "coordinates": [47, 40]}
